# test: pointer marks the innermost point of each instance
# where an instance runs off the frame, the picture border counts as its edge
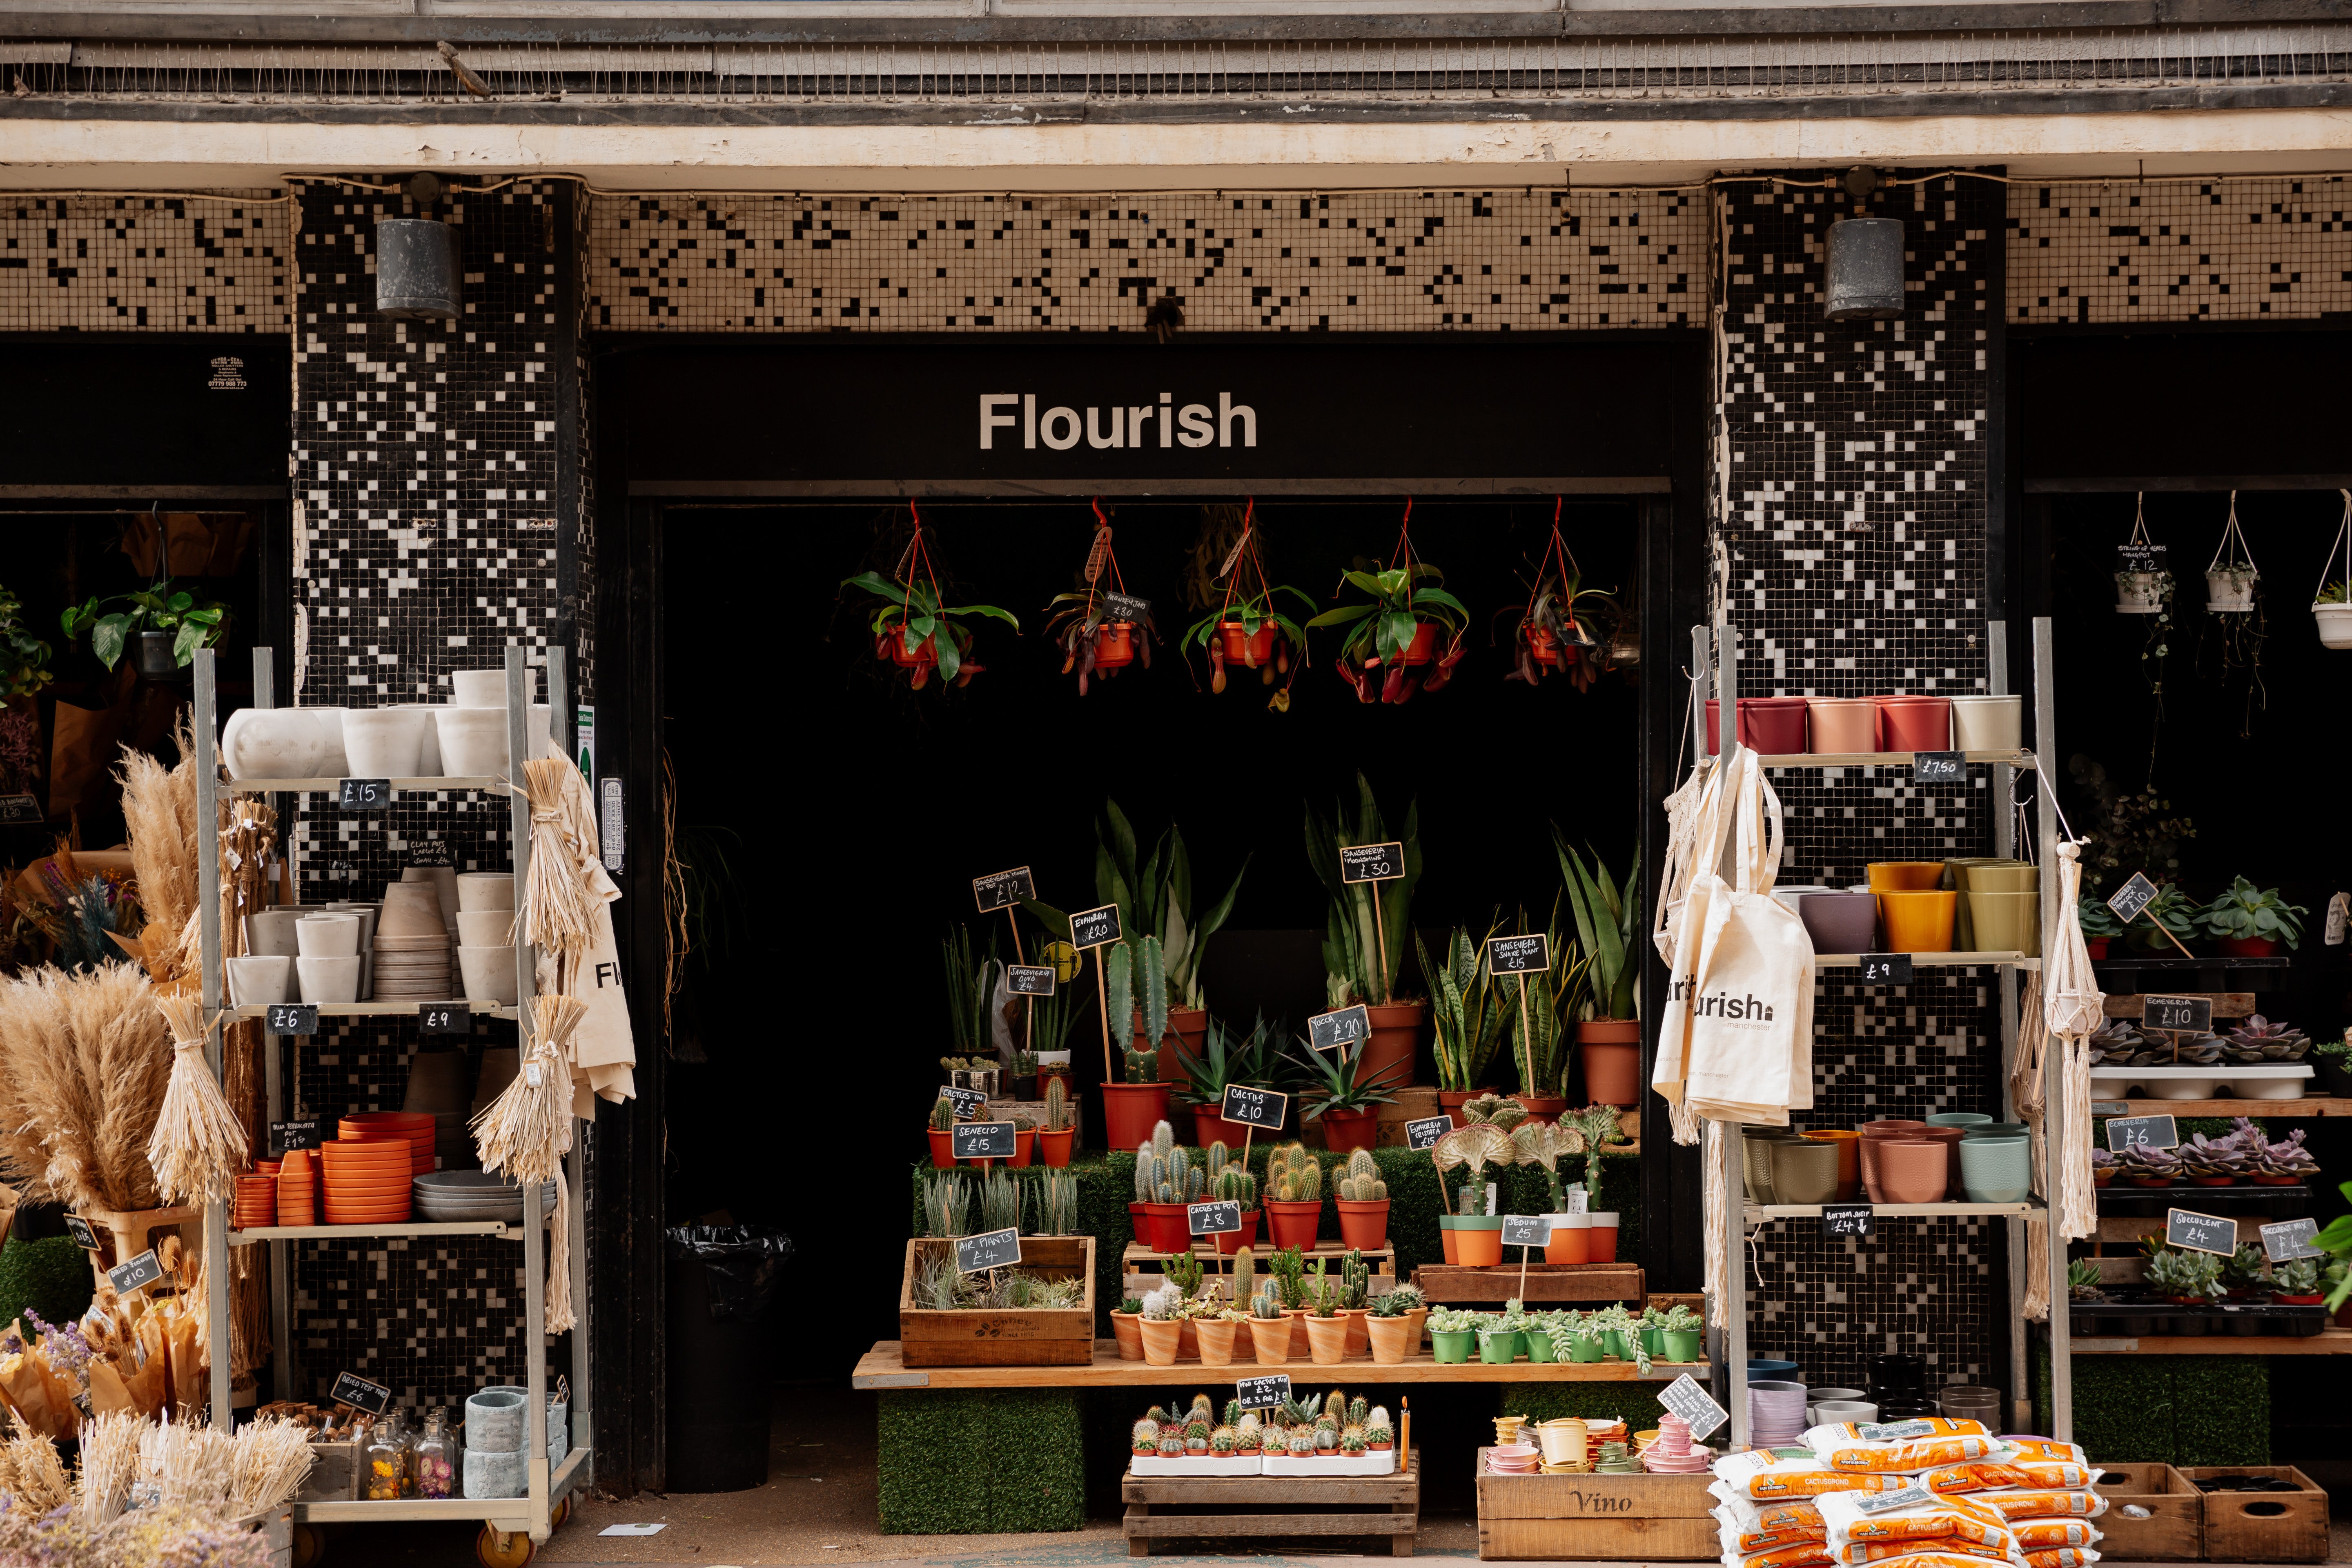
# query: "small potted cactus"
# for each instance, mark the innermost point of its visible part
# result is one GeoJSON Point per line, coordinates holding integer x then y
{"type": "Point", "coordinates": [1132, 1108]}
{"type": "Point", "coordinates": [1229, 1184]}
{"type": "Point", "coordinates": [942, 1132]}
{"type": "Point", "coordinates": [1054, 1138]}
{"type": "Point", "coordinates": [1249, 1435]}
{"type": "Point", "coordinates": [1144, 1439]}
{"type": "Point", "coordinates": [1126, 1327]}
{"type": "Point", "coordinates": [1379, 1436]}
{"type": "Point", "coordinates": [1294, 1196]}
{"type": "Point", "coordinates": [1269, 1329]}
{"type": "Point", "coordinates": [1163, 1329]}
{"type": "Point", "coordinates": [1389, 1323]}
{"type": "Point", "coordinates": [1363, 1203]}
{"type": "Point", "coordinates": [1167, 1178]}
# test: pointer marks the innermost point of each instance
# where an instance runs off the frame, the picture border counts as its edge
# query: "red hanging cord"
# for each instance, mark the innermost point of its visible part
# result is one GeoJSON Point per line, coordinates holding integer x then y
{"type": "Point", "coordinates": [915, 554]}
{"type": "Point", "coordinates": [1244, 551]}
{"type": "Point", "coordinates": [1404, 538]}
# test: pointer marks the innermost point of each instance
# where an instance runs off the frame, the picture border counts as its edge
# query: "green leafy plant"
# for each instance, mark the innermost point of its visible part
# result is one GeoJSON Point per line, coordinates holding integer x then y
{"type": "Point", "coordinates": [160, 606]}
{"type": "Point", "coordinates": [1251, 611]}
{"type": "Point", "coordinates": [2173, 910]}
{"type": "Point", "coordinates": [1608, 924]}
{"type": "Point", "coordinates": [1154, 898]}
{"type": "Point", "coordinates": [2096, 919]}
{"type": "Point", "coordinates": [2245, 913]}
{"type": "Point", "coordinates": [23, 657]}
{"type": "Point", "coordinates": [908, 621]}
{"type": "Point", "coordinates": [972, 993]}
{"type": "Point", "coordinates": [1541, 1033]}
{"type": "Point", "coordinates": [1336, 1082]}
{"type": "Point", "coordinates": [1400, 600]}
{"type": "Point", "coordinates": [1358, 966]}
{"type": "Point", "coordinates": [2129, 830]}
{"type": "Point", "coordinates": [2335, 1240]}
{"type": "Point", "coordinates": [2334, 594]}
{"type": "Point", "coordinates": [2299, 1278]}
{"type": "Point", "coordinates": [1468, 1009]}
{"type": "Point", "coordinates": [1230, 1059]}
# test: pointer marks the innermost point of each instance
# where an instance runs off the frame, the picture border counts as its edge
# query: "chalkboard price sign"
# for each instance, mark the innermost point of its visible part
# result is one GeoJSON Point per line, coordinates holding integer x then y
{"type": "Point", "coordinates": [21, 809]}
{"type": "Point", "coordinates": [1001, 889]}
{"type": "Point", "coordinates": [1029, 979]}
{"type": "Point", "coordinates": [2200, 1232]}
{"type": "Point", "coordinates": [985, 1140]}
{"type": "Point", "coordinates": [1886, 969]}
{"type": "Point", "coordinates": [433, 852]}
{"type": "Point", "coordinates": [291, 1019]}
{"type": "Point", "coordinates": [443, 1018]}
{"type": "Point", "coordinates": [1849, 1220]}
{"type": "Point", "coordinates": [365, 794]}
{"type": "Point", "coordinates": [968, 1102]}
{"type": "Point", "coordinates": [1095, 927]}
{"type": "Point", "coordinates": [1686, 1399]}
{"type": "Point", "coordinates": [136, 1274]}
{"type": "Point", "coordinates": [2290, 1239]}
{"type": "Point", "coordinates": [2133, 897]}
{"type": "Point", "coordinates": [2142, 1132]}
{"type": "Point", "coordinates": [357, 1392]}
{"type": "Point", "coordinates": [1526, 1230]}
{"type": "Point", "coordinates": [1426, 1133]}
{"type": "Point", "coordinates": [1518, 954]}
{"type": "Point", "coordinates": [78, 1229]}
{"type": "Point", "coordinates": [1125, 607]}
{"type": "Point", "coordinates": [1266, 1393]}
{"type": "Point", "coordinates": [1255, 1107]}
{"type": "Point", "coordinates": [989, 1249]}
{"type": "Point", "coordinates": [1213, 1219]}
{"type": "Point", "coordinates": [2142, 557]}
{"type": "Point", "coordinates": [1370, 862]}
{"type": "Point", "coordinates": [1939, 767]}
{"type": "Point", "coordinates": [287, 1136]}
{"type": "Point", "coordinates": [1328, 1031]}
{"type": "Point", "coordinates": [2178, 1015]}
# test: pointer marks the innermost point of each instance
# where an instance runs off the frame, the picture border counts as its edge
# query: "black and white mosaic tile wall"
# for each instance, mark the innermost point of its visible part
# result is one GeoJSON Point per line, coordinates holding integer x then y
{"type": "Point", "coordinates": [1918, 1287]}
{"type": "Point", "coordinates": [145, 264]}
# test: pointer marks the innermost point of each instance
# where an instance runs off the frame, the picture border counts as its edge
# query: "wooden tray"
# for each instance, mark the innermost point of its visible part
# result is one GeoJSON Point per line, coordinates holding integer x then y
{"type": "Point", "coordinates": [2240, 1526]}
{"type": "Point", "coordinates": [1448, 1282]}
{"type": "Point", "coordinates": [2176, 1530]}
{"type": "Point", "coordinates": [1272, 1508]}
{"type": "Point", "coordinates": [1626, 1518]}
{"type": "Point", "coordinates": [992, 1338]}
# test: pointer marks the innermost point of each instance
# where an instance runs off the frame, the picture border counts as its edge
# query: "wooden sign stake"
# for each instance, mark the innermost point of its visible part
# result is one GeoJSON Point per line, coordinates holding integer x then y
{"type": "Point", "coordinates": [1523, 1251]}
{"type": "Point", "coordinates": [2168, 936]}
{"type": "Point", "coordinates": [1527, 1049]}
{"type": "Point", "coordinates": [1379, 925]}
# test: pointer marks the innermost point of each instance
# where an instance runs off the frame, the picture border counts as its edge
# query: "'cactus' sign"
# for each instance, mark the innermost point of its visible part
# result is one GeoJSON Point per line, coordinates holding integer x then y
{"type": "Point", "coordinates": [1255, 1107]}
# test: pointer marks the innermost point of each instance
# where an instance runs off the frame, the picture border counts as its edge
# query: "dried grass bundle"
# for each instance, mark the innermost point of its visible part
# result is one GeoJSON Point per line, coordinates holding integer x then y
{"type": "Point", "coordinates": [527, 1130]}
{"type": "Point", "coordinates": [83, 1071]}
{"type": "Point", "coordinates": [190, 1462]}
{"type": "Point", "coordinates": [159, 808]}
{"type": "Point", "coordinates": [198, 1145]}
{"type": "Point", "coordinates": [30, 1473]}
{"type": "Point", "coordinates": [110, 1463]}
{"type": "Point", "coordinates": [272, 1460]}
{"type": "Point", "coordinates": [559, 912]}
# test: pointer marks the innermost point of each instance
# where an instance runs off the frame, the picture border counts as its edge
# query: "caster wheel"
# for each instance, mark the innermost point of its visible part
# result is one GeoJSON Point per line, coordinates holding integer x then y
{"type": "Point", "coordinates": [497, 1549]}
{"type": "Point", "coordinates": [310, 1545]}
{"type": "Point", "coordinates": [561, 1511]}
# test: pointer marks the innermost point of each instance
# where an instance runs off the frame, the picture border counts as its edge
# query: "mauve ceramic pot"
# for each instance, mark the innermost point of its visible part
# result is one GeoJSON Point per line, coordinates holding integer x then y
{"type": "Point", "coordinates": [1911, 1172]}
{"type": "Point", "coordinates": [1841, 922]}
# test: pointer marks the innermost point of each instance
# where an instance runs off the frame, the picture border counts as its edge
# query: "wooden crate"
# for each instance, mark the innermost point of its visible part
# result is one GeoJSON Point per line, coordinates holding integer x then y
{"type": "Point", "coordinates": [1449, 1283]}
{"type": "Point", "coordinates": [1413, 1103]}
{"type": "Point", "coordinates": [2264, 1527]}
{"type": "Point", "coordinates": [1627, 1519]}
{"type": "Point", "coordinates": [985, 1337]}
{"type": "Point", "coordinates": [1258, 1508]}
{"type": "Point", "coordinates": [2174, 1530]}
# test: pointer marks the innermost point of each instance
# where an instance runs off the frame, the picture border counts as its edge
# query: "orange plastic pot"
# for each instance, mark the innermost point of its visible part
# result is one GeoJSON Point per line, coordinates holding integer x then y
{"type": "Point", "coordinates": [1542, 647]}
{"type": "Point", "coordinates": [1345, 1130]}
{"type": "Point", "coordinates": [926, 652]}
{"type": "Point", "coordinates": [1393, 1045]}
{"type": "Point", "coordinates": [1024, 1147]}
{"type": "Point", "coordinates": [1054, 1148]}
{"type": "Point", "coordinates": [1245, 647]}
{"type": "Point", "coordinates": [1293, 1224]}
{"type": "Point", "coordinates": [1190, 1027]}
{"type": "Point", "coordinates": [1570, 1242]}
{"type": "Point", "coordinates": [1114, 645]}
{"type": "Point", "coordinates": [944, 1147]}
{"type": "Point", "coordinates": [1364, 1225]}
{"type": "Point", "coordinates": [1445, 1239]}
{"type": "Point", "coordinates": [1131, 1110]}
{"type": "Point", "coordinates": [1848, 1148]}
{"type": "Point", "coordinates": [1451, 1100]}
{"type": "Point", "coordinates": [1602, 1247]}
{"type": "Point", "coordinates": [1611, 1052]}
{"type": "Point", "coordinates": [1905, 875]}
{"type": "Point", "coordinates": [1419, 650]}
{"type": "Point", "coordinates": [1478, 1241]}
{"type": "Point", "coordinates": [1209, 1127]}
{"type": "Point", "coordinates": [1164, 1228]}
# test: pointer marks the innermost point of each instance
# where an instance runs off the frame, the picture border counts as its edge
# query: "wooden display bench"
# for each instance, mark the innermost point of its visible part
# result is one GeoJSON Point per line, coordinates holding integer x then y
{"type": "Point", "coordinates": [884, 1366]}
{"type": "Point", "coordinates": [1625, 1519]}
{"type": "Point", "coordinates": [1451, 1284]}
{"type": "Point", "coordinates": [1139, 1259]}
{"type": "Point", "coordinates": [1262, 1509]}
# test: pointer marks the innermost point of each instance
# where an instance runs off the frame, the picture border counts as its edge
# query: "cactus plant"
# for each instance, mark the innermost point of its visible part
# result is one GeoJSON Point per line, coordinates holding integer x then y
{"type": "Point", "coordinates": [1235, 1185]}
{"type": "Point", "coordinates": [1352, 1442]}
{"type": "Point", "coordinates": [1142, 1066]}
{"type": "Point", "coordinates": [1151, 983]}
{"type": "Point", "coordinates": [1356, 1279]}
{"type": "Point", "coordinates": [1378, 1435]}
{"type": "Point", "coordinates": [1360, 1183]}
{"type": "Point", "coordinates": [943, 1114]}
{"type": "Point", "coordinates": [1301, 1442]}
{"type": "Point", "coordinates": [1057, 1105]}
{"type": "Point", "coordinates": [1494, 1111]}
{"type": "Point", "coordinates": [1119, 985]}
{"type": "Point", "coordinates": [1265, 1305]}
{"type": "Point", "coordinates": [1146, 1437]}
{"type": "Point", "coordinates": [1359, 1410]}
{"type": "Point", "coordinates": [1183, 1271]}
{"type": "Point", "coordinates": [1172, 1444]}
{"type": "Point", "coordinates": [1289, 1270]}
{"type": "Point", "coordinates": [1245, 1274]}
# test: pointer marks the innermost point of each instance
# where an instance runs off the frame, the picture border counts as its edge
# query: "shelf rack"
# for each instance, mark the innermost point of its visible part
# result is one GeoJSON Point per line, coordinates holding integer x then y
{"type": "Point", "coordinates": [1730, 1343]}
{"type": "Point", "coordinates": [882, 1367]}
{"type": "Point", "coordinates": [547, 1485]}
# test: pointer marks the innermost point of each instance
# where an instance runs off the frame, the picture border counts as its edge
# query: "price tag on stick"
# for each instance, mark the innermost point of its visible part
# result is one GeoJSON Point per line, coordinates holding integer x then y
{"type": "Point", "coordinates": [968, 1102]}
{"type": "Point", "coordinates": [2290, 1239]}
{"type": "Point", "coordinates": [2143, 1132]}
{"type": "Point", "coordinates": [2133, 897]}
{"type": "Point", "coordinates": [1266, 1392]}
{"type": "Point", "coordinates": [1256, 1108]}
{"type": "Point", "coordinates": [1340, 1029]}
{"type": "Point", "coordinates": [1849, 1220]}
{"type": "Point", "coordinates": [1526, 1230]}
{"type": "Point", "coordinates": [1426, 1133]}
{"type": "Point", "coordinates": [78, 1229]}
{"type": "Point", "coordinates": [1518, 954]}
{"type": "Point", "coordinates": [1686, 1399]}
{"type": "Point", "coordinates": [2200, 1232]}
{"type": "Point", "coordinates": [1003, 890]}
{"type": "Point", "coordinates": [990, 1250]}
{"type": "Point", "coordinates": [22, 810]}
{"type": "Point", "coordinates": [1029, 979]}
{"type": "Point", "coordinates": [136, 1274]}
{"type": "Point", "coordinates": [357, 1392]}
{"type": "Point", "coordinates": [985, 1140]}
{"type": "Point", "coordinates": [1213, 1218]}
{"type": "Point", "coordinates": [1095, 927]}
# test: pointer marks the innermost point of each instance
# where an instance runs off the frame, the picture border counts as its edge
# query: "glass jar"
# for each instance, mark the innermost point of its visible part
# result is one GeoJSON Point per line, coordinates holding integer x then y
{"type": "Point", "coordinates": [435, 1458]}
{"type": "Point", "coordinates": [385, 1457]}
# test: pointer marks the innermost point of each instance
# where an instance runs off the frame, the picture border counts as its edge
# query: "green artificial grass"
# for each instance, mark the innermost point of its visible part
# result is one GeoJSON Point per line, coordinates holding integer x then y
{"type": "Point", "coordinates": [1550, 1401]}
{"type": "Point", "coordinates": [981, 1461]}
{"type": "Point", "coordinates": [50, 1276]}
{"type": "Point", "coordinates": [2167, 1409]}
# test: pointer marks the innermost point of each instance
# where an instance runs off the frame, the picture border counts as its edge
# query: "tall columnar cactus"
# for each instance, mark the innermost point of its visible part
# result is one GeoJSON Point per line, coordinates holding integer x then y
{"type": "Point", "coordinates": [1244, 1275]}
{"type": "Point", "coordinates": [1142, 1066]}
{"type": "Point", "coordinates": [1356, 1276]}
{"type": "Point", "coordinates": [1309, 1174]}
{"type": "Point", "coordinates": [1163, 1139]}
{"type": "Point", "coordinates": [1119, 987]}
{"type": "Point", "coordinates": [1233, 1185]}
{"type": "Point", "coordinates": [1152, 977]}
{"type": "Point", "coordinates": [943, 1114]}
{"type": "Point", "coordinates": [1057, 1105]}
{"type": "Point", "coordinates": [1218, 1155]}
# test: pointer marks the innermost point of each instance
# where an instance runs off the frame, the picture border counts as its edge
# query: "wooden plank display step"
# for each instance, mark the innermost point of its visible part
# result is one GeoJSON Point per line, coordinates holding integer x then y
{"type": "Point", "coordinates": [1620, 1519]}
{"type": "Point", "coordinates": [885, 1366]}
{"type": "Point", "coordinates": [1449, 1284]}
{"type": "Point", "coordinates": [1162, 1511]}
{"type": "Point", "coordinates": [1139, 1259]}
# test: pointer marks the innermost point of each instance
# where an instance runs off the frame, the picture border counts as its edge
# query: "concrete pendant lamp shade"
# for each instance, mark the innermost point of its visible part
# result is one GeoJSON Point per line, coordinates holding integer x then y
{"type": "Point", "coordinates": [416, 270]}
{"type": "Point", "coordinates": [1865, 269]}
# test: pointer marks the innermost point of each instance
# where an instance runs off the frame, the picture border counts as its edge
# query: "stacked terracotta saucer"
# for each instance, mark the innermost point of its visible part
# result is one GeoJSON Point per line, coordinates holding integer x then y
{"type": "Point", "coordinates": [411, 945]}
{"type": "Point", "coordinates": [367, 1181]}
{"type": "Point", "coordinates": [298, 1187]}
{"type": "Point", "coordinates": [257, 1201]}
{"type": "Point", "coordinates": [414, 1129]}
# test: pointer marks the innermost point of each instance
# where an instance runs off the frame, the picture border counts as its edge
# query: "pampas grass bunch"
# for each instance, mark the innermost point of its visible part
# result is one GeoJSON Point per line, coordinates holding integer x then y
{"type": "Point", "coordinates": [83, 1069]}
{"type": "Point", "coordinates": [198, 1145]}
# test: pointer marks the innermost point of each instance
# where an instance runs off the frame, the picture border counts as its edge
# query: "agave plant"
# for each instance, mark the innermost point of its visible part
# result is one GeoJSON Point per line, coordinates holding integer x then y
{"type": "Point", "coordinates": [2083, 1281]}
{"type": "Point", "coordinates": [2257, 1039]}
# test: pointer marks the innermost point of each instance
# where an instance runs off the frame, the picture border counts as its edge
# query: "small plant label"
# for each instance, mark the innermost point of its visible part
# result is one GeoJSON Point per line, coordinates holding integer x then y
{"type": "Point", "coordinates": [1886, 969]}
{"type": "Point", "coordinates": [1266, 1393]}
{"type": "Point", "coordinates": [1849, 1220]}
{"type": "Point", "coordinates": [2142, 1132]}
{"type": "Point", "coordinates": [968, 1102]}
{"type": "Point", "coordinates": [2133, 896]}
{"type": "Point", "coordinates": [291, 1019]}
{"type": "Point", "coordinates": [1001, 889]}
{"type": "Point", "coordinates": [1213, 1218]}
{"type": "Point", "coordinates": [1255, 1107]}
{"type": "Point", "coordinates": [1125, 607]}
{"type": "Point", "coordinates": [1518, 954]}
{"type": "Point", "coordinates": [357, 1392]}
{"type": "Point", "coordinates": [985, 1140]}
{"type": "Point", "coordinates": [1095, 927]}
{"type": "Point", "coordinates": [1426, 1133]}
{"type": "Point", "coordinates": [1939, 767]}
{"type": "Point", "coordinates": [1526, 1230]}
{"type": "Point", "coordinates": [2290, 1239]}
{"type": "Point", "coordinates": [21, 808]}
{"type": "Point", "coordinates": [78, 1229]}
{"type": "Point", "coordinates": [2178, 1015]}
{"type": "Point", "coordinates": [989, 1249]}
{"type": "Point", "coordinates": [443, 1018]}
{"type": "Point", "coordinates": [287, 1136]}
{"type": "Point", "coordinates": [1686, 1399]}
{"type": "Point", "coordinates": [136, 1274]}
{"type": "Point", "coordinates": [1029, 979]}
{"type": "Point", "coordinates": [2200, 1232]}
{"type": "Point", "coordinates": [1345, 1027]}
{"type": "Point", "coordinates": [2142, 557]}
{"type": "Point", "coordinates": [432, 852]}
{"type": "Point", "coordinates": [364, 795]}
{"type": "Point", "coordinates": [1370, 862]}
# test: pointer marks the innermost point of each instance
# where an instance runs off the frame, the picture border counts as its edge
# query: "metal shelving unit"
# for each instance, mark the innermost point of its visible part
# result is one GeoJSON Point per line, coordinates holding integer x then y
{"type": "Point", "coordinates": [1730, 1355]}
{"type": "Point", "coordinates": [521, 1522]}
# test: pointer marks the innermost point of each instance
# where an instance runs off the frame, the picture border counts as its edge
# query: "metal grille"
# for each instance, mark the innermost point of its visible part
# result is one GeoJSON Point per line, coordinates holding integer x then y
{"type": "Point", "coordinates": [902, 74]}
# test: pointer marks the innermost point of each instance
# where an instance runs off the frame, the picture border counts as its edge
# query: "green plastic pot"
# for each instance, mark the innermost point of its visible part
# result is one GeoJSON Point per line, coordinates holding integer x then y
{"type": "Point", "coordinates": [1584, 1347]}
{"type": "Point", "coordinates": [1679, 1346]}
{"type": "Point", "coordinates": [1538, 1345]}
{"type": "Point", "coordinates": [1654, 1340]}
{"type": "Point", "coordinates": [1612, 1342]}
{"type": "Point", "coordinates": [1499, 1346]}
{"type": "Point", "coordinates": [1450, 1349]}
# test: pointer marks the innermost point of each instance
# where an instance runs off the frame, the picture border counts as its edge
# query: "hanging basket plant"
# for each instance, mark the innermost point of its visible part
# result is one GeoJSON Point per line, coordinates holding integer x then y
{"type": "Point", "coordinates": [1408, 637]}
{"type": "Point", "coordinates": [1560, 628]}
{"type": "Point", "coordinates": [1247, 627]}
{"type": "Point", "coordinates": [912, 628]}
{"type": "Point", "coordinates": [1102, 629]}
{"type": "Point", "coordinates": [2231, 577]}
{"type": "Point", "coordinates": [2331, 607]}
{"type": "Point", "coordinates": [2142, 578]}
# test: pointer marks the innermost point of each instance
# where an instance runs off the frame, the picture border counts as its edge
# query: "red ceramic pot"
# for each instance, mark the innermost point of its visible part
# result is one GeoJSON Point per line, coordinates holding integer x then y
{"type": "Point", "coordinates": [2275, 1181]}
{"type": "Point", "coordinates": [1054, 1148]}
{"type": "Point", "coordinates": [1165, 1228]}
{"type": "Point", "coordinates": [1253, 649]}
{"type": "Point", "coordinates": [1915, 723]}
{"type": "Point", "coordinates": [2249, 946]}
{"type": "Point", "coordinates": [1294, 1224]}
{"type": "Point", "coordinates": [1131, 1110]}
{"type": "Point", "coordinates": [1543, 1107]}
{"type": "Point", "coordinates": [1611, 1050]}
{"type": "Point", "coordinates": [1114, 645]}
{"type": "Point", "coordinates": [1772, 725]}
{"type": "Point", "coordinates": [1393, 1043]}
{"type": "Point", "coordinates": [1344, 1131]}
{"type": "Point", "coordinates": [1364, 1225]}
{"type": "Point", "coordinates": [944, 1148]}
{"type": "Point", "coordinates": [1419, 650]}
{"type": "Point", "coordinates": [1231, 1241]}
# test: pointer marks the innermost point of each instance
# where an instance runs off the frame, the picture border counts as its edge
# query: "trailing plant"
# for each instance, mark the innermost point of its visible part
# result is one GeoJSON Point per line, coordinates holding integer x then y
{"type": "Point", "coordinates": [23, 657]}
{"type": "Point", "coordinates": [1358, 966]}
{"type": "Point", "coordinates": [2129, 830]}
{"type": "Point", "coordinates": [2246, 913]}
{"type": "Point", "coordinates": [1224, 1063]}
{"type": "Point", "coordinates": [1401, 597]}
{"type": "Point", "coordinates": [1608, 921]}
{"type": "Point", "coordinates": [911, 616]}
{"type": "Point", "coordinates": [1336, 1080]}
{"type": "Point", "coordinates": [160, 606]}
{"type": "Point", "coordinates": [1466, 1008]}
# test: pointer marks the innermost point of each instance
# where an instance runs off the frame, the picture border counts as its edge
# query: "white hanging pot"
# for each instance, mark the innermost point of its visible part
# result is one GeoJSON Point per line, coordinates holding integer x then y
{"type": "Point", "coordinates": [2335, 625]}
{"type": "Point", "coordinates": [2231, 576]}
{"type": "Point", "coordinates": [2142, 580]}
{"type": "Point", "coordinates": [2139, 592]}
{"type": "Point", "coordinates": [2331, 603]}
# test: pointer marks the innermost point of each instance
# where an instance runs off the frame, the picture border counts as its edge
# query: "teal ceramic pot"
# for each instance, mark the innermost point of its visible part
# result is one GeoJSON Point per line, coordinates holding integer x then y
{"type": "Point", "coordinates": [1451, 1349]}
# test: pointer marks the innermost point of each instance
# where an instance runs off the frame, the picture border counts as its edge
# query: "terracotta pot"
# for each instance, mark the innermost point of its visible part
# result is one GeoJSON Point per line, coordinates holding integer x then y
{"type": "Point", "coordinates": [944, 1148]}
{"type": "Point", "coordinates": [1915, 723]}
{"type": "Point", "coordinates": [1543, 1107]}
{"type": "Point", "coordinates": [1478, 1240]}
{"type": "Point", "coordinates": [2100, 1178]}
{"type": "Point", "coordinates": [1344, 1131]}
{"type": "Point", "coordinates": [1125, 1327]}
{"type": "Point", "coordinates": [1246, 648]}
{"type": "Point", "coordinates": [1131, 1110]}
{"type": "Point", "coordinates": [2248, 946]}
{"type": "Point", "coordinates": [1874, 1133]}
{"type": "Point", "coordinates": [1419, 650]}
{"type": "Point", "coordinates": [1364, 1225]}
{"type": "Point", "coordinates": [1210, 1127]}
{"type": "Point", "coordinates": [1188, 1342]}
{"type": "Point", "coordinates": [1326, 1339]}
{"type": "Point", "coordinates": [1230, 1241]}
{"type": "Point", "coordinates": [1293, 1224]}
{"type": "Point", "coordinates": [1024, 1147]}
{"type": "Point", "coordinates": [1054, 1148]}
{"type": "Point", "coordinates": [1114, 645]}
{"type": "Point", "coordinates": [1215, 1337]}
{"type": "Point", "coordinates": [1393, 1045]}
{"type": "Point", "coordinates": [1772, 725]}
{"type": "Point", "coordinates": [1445, 1239]}
{"type": "Point", "coordinates": [1611, 1050]}
{"type": "Point", "coordinates": [1451, 1100]}
{"type": "Point", "coordinates": [1912, 1171]}
{"type": "Point", "coordinates": [1358, 1337]}
{"type": "Point", "coordinates": [1242, 1344]}
{"type": "Point", "coordinates": [1270, 1341]}
{"type": "Point", "coordinates": [1188, 1025]}
{"type": "Point", "coordinates": [2275, 1181]}
{"type": "Point", "coordinates": [2213, 1181]}
{"type": "Point", "coordinates": [1164, 1228]}
{"type": "Point", "coordinates": [1392, 1339]}
{"type": "Point", "coordinates": [1160, 1338]}
{"type": "Point", "coordinates": [1571, 1239]}
{"type": "Point", "coordinates": [2297, 1300]}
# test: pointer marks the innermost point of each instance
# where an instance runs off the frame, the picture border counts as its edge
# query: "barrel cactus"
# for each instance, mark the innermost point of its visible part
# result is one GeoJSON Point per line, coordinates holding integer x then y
{"type": "Point", "coordinates": [1146, 1437]}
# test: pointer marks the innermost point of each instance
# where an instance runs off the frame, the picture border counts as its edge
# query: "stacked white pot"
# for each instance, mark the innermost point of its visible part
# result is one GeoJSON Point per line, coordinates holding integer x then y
{"type": "Point", "coordinates": [465, 737]}
{"type": "Point", "coordinates": [486, 954]}
{"type": "Point", "coordinates": [473, 727]}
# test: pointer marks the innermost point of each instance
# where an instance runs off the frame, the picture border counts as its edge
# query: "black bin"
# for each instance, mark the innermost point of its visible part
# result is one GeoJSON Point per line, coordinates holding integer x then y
{"type": "Point", "coordinates": [721, 1281]}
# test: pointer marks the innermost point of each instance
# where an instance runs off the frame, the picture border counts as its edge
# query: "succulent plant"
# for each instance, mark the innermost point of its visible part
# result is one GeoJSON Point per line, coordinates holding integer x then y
{"type": "Point", "coordinates": [2213, 1157]}
{"type": "Point", "coordinates": [2299, 1277]}
{"type": "Point", "coordinates": [2118, 1043]}
{"type": "Point", "coordinates": [2257, 1039]}
{"type": "Point", "coordinates": [1145, 1438]}
{"type": "Point", "coordinates": [2244, 911]}
{"type": "Point", "coordinates": [2202, 1051]}
{"type": "Point", "coordinates": [2185, 1276]}
{"type": "Point", "coordinates": [2242, 1270]}
{"type": "Point", "coordinates": [2288, 1157]}
{"type": "Point", "coordinates": [1494, 1111]}
{"type": "Point", "coordinates": [1388, 1306]}
{"type": "Point", "coordinates": [1360, 1182]}
{"type": "Point", "coordinates": [2083, 1281]}
{"type": "Point", "coordinates": [2139, 1162]}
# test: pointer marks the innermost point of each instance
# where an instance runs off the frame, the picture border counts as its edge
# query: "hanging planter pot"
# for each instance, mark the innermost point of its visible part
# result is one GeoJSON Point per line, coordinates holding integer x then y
{"type": "Point", "coordinates": [2231, 576]}
{"type": "Point", "coordinates": [1247, 628]}
{"type": "Point", "coordinates": [906, 624]}
{"type": "Point", "coordinates": [1398, 630]}
{"type": "Point", "coordinates": [2331, 607]}
{"type": "Point", "coordinates": [2143, 574]}
{"type": "Point", "coordinates": [1551, 634]}
{"type": "Point", "coordinates": [1100, 630]}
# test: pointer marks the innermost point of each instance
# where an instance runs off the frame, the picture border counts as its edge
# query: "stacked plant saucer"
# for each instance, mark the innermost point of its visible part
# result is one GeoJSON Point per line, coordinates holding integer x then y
{"type": "Point", "coordinates": [411, 945]}
{"type": "Point", "coordinates": [451, 1196]}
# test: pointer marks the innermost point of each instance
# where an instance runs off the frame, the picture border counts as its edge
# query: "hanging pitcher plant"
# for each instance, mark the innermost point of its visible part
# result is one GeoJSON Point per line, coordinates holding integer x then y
{"type": "Point", "coordinates": [909, 623]}
{"type": "Point", "coordinates": [1557, 631]}
{"type": "Point", "coordinates": [1398, 633]}
{"type": "Point", "coordinates": [1101, 630]}
{"type": "Point", "coordinates": [1246, 628]}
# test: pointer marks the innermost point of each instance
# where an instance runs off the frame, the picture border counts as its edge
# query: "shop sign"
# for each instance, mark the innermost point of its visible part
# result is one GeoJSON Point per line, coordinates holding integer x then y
{"type": "Point", "coordinates": [989, 1249]}
{"type": "Point", "coordinates": [1328, 1031]}
{"type": "Point", "coordinates": [2290, 1239]}
{"type": "Point", "coordinates": [1001, 889]}
{"type": "Point", "coordinates": [1686, 1399]}
{"type": "Point", "coordinates": [2178, 1015]}
{"type": "Point", "coordinates": [1267, 1393]}
{"type": "Point", "coordinates": [2200, 1232]}
{"type": "Point", "coordinates": [1426, 1133]}
{"type": "Point", "coordinates": [613, 828]}
{"type": "Point", "coordinates": [985, 1140]}
{"type": "Point", "coordinates": [1370, 862]}
{"type": "Point", "coordinates": [1849, 1220]}
{"type": "Point", "coordinates": [2142, 1132]}
{"type": "Point", "coordinates": [136, 1274]}
{"type": "Point", "coordinates": [1213, 1218]}
{"type": "Point", "coordinates": [2142, 557]}
{"type": "Point", "coordinates": [1095, 927]}
{"type": "Point", "coordinates": [357, 1392]}
{"type": "Point", "coordinates": [1255, 1107]}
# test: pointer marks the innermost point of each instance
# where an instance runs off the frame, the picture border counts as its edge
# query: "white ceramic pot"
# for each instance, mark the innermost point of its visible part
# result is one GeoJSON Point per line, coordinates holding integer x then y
{"type": "Point", "coordinates": [2270, 1081]}
{"type": "Point", "coordinates": [485, 928]}
{"type": "Point", "coordinates": [1989, 723]}
{"type": "Point", "coordinates": [2231, 591]}
{"type": "Point", "coordinates": [384, 743]}
{"type": "Point", "coordinates": [473, 741]}
{"type": "Point", "coordinates": [281, 743]}
{"type": "Point", "coordinates": [330, 979]}
{"type": "Point", "coordinates": [258, 982]}
{"type": "Point", "coordinates": [486, 688]}
{"type": "Point", "coordinates": [270, 932]}
{"type": "Point", "coordinates": [2136, 594]}
{"type": "Point", "coordinates": [328, 936]}
{"type": "Point", "coordinates": [489, 974]}
{"type": "Point", "coordinates": [445, 887]}
{"type": "Point", "coordinates": [428, 763]}
{"type": "Point", "coordinates": [478, 891]}
{"type": "Point", "coordinates": [332, 763]}
{"type": "Point", "coordinates": [2335, 623]}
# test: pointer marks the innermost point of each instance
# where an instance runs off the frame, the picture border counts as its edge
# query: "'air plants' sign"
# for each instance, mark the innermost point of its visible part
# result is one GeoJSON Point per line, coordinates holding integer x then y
{"type": "Point", "coordinates": [2178, 1015]}
{"type": "Point", "coordinates": [1886, 969]}
{"type": "Point", "coordinates": [136, 1274]}
{"type": "Point", "coordinates": [443, 1018]}
{"type": "Point", "coordinates": [1939, 767]}
{"type": "Point", "coordinates": [968, 1102]}
{"type": "Point", "coordinates": [989, 1249]}
{"type": "Point", "coordinates": [1849, 1220]}
{"type": "Point", "coordinates": [1686, 1399]}
{"type": "Point", "coordinates": [1213, 1218]}
{"type": "Point", "coordinates": [2200, 1232]}
{"type": "Point", "coordinates": [1123, 607]}
{"type": "Point", "coordinates": [2142, 1132]}
{"type": "Point", "coordinates": [985, 1140]}
{"type": "Point", "coordinates": [291, 1019]}
{"type": "Point", "coordinates": [2290, 1239]}
{"type": "Point", "coordinates": [1095, 927]}
{"type": "Point", "coordinates": [1426, 1133]}
{"type": "Point", "coordinates": [1526, 1230]}
{"type": "Point", "coordinates": [1029, 979]}
{"type": "Point", "coordinates": [1267, 1393]}
{"type": "Point", "coordinates": [2133, 897]}
{"type": "Point", "coordinates": [1001, 889]}
{"type": "Point", "coordinates": [1518, 954]}
{"type": "Point", "coordinates": [357, 1392]}
{"type": "Point", "coordinates": [1370, 862]}
{"type": "Point", "coordinates": [1330, 1031]}
{"type": "Point", "coordinates": [1255, 1107]}
{"type": "Point", "coordinates": [365, 794]}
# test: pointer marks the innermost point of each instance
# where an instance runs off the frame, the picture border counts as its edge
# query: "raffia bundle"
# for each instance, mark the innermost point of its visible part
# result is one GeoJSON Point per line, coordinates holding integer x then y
{"type": "Point", "coordinates": [83, 1070]}
{"type": "Point", "coordinates": [29, 1472]}
{"type": "Point", "coordinates": [527, 1130]}
{"type": "Point", "coordinates": [198, 1145]}
{"type": "Point", "coordinates": [557, 914]}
